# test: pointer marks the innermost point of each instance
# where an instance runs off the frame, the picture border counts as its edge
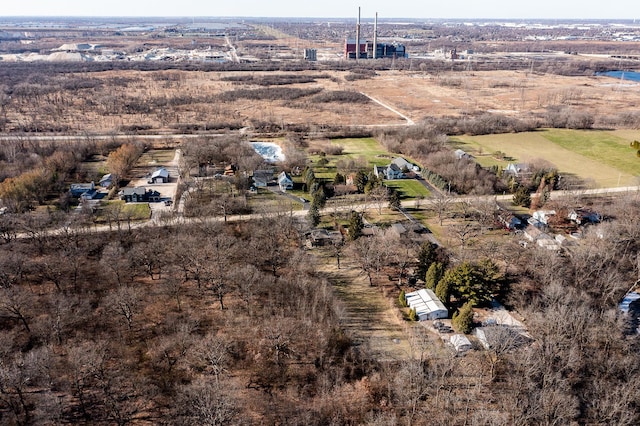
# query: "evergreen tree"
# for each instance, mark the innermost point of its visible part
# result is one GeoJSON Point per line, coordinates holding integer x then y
{"type": "Point", "coordinates": [309, 178]}
{"type": "Point", "coordinates": [443, 291]}
{"type": "Point", "coordinates": [462, 320]}
{"type": "Point", "coordinates": [426, 256]}
{"type": "Point", "coordinates": [522, 197]}
{"type": "Point", "coordinates": [402, 299]}
{"type": "Point", "coordinates": [473, 283]}
{"type": "Point", "coordinates": [355, 225]}
{"type": "Point", "coordinates": [361, 181]}
{"type": "Point", "coordinates": [313, 215]}
{"type": "Point", "coordinates": [394, 199]}
{"type": "Point", "coordinates": [319, 197]}
{"type": "Point", "coordinates": [339, 179]}
{"type": "Point", "coordinates": [413, 315]}
{"type": "Point", "coordinates": [434, 275]}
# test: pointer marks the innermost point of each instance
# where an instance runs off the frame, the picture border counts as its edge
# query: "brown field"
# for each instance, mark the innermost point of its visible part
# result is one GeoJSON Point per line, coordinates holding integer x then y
{"type": "Point", "coordinates": [517, 93]}
{"type": "Point", "coordinates": [184, 101]}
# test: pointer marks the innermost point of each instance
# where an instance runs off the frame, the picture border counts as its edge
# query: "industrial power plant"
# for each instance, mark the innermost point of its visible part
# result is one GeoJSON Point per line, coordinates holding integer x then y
{"type": "Point", "coordinates": [370, 49]}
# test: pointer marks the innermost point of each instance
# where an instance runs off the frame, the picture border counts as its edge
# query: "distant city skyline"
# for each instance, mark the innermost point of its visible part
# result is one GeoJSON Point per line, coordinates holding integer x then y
{"type": "Point", "coordinates": [461, 9]}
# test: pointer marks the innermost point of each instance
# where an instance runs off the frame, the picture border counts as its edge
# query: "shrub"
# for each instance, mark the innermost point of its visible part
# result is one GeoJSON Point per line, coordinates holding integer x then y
{"type": "Point", "coordinates": [402, 299]}
{"type": "Point", "coordinates": [413, 315]}
{"type": "Point", "coordinates": [462, 320]}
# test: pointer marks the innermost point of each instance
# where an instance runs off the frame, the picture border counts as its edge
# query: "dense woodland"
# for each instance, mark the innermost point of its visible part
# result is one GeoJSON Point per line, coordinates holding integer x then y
{"type": "Point", "coordinates": [232, 324]}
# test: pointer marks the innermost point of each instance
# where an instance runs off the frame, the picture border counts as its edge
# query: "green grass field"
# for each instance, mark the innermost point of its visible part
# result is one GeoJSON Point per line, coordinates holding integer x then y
{"type": "Point", "coordinates": [132, 211]}
{"type": "Point", "coordinates": [408, 188]}
{"type": "Point", "coordinates": [369, 148]}
{"type": "Point", "coordinates": [602, 156]}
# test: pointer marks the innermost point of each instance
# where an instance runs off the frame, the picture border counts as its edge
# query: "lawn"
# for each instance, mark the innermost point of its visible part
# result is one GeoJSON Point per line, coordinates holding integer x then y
{"type": "Point", "coordinates": [408, 188]}
{"type": "Point", "coordinates": [128, 211]}
{"type": "Point", "coordinates": [369, 148]}
{"type": "Point", "coordinates": [604, 157]}
{"type": "Point", "coordinates": [156, 157]}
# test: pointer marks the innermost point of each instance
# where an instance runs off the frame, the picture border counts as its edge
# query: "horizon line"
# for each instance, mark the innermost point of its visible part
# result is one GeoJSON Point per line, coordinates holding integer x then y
{"type": "Point", "coordinates": [572, 19]}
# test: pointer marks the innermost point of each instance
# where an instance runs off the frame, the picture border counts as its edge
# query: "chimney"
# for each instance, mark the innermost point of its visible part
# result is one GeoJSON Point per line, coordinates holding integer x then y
{"type": "Point", "coordinates": [375, 37]}
{"type": "Point", "coordinates": [358, 36]}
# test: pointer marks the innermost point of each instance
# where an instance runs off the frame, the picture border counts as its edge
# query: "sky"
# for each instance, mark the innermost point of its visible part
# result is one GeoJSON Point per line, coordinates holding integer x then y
{"type": "Point", "coordinates": [499, 9]}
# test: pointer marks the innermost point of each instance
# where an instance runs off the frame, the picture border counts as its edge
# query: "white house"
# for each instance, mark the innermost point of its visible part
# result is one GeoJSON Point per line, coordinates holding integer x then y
{"type": "Point", "coordinates": [426, 304]}
{"type": "Point", "coordinates": [517, 169]}
{"type": "Point", "coordinates": [543, 216]}
{"type": "Point", "coordinates": [460, 154]}
{"type": "Point", "coordinates": [284, 181]}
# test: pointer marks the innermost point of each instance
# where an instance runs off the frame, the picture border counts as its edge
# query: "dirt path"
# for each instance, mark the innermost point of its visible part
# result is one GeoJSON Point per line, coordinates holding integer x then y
{"type": "Point", "coordinates": [409, 121]}
{"type": "Point", "coordinates": [368, 317]}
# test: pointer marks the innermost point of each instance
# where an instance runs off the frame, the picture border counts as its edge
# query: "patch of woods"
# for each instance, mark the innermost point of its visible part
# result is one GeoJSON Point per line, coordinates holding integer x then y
{"type": "Point", "coordinates": [213, 323]}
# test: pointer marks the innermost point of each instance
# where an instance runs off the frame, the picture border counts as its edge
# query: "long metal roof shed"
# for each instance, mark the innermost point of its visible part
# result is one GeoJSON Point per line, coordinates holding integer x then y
{"type": "Point", "coordinates": [426, 304]}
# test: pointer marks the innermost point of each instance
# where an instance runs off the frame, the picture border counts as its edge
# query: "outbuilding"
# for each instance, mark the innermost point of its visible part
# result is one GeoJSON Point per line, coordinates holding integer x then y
{"type": "Point", "coordinates": [460, 343]}
{"type": "Point", "coordinates": [426, 304]}
{"type": "Point", "coordinates": [159, 176]}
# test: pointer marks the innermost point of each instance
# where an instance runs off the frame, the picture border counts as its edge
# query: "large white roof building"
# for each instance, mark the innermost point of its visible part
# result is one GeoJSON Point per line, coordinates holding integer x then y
{"type": "Point", "coordinates": [426, 304]}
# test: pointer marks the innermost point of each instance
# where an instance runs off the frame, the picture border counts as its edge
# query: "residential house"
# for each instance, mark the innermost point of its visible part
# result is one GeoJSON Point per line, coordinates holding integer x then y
{"type": "Point", "coordinates": [284, 181]}
{"type": "Point", "coordinates": [393, 172]}
{"type": "Point", "coordinates": [509, 220]}
{"type": "Point", "coordinates": [378, 171]}
{"type": "Point", "coordinates": [261, 178]}
{"type": "Point", "coordinates": [517, 170]}
{"type": "Point", "coordinates": [460, 154]}
{"type": "Point", "coordinates": [139, 194]}
{"type": "Point", "coordinates": [318, 238]}
{"type": "Point", "coordinates": [159, 176]}
{"type": "Point", "coordinates": [230, 170]}
{"type": "Point", "coordinates": [543, 216]}
{"type": "Point", "coordinates": [404, 165]}
{"type": "Point", "coordinates": [399, 230]}
{"type": "Point", "coordinates": [84, 190]}
{"type": "Point", "coordinates": [106, 181]}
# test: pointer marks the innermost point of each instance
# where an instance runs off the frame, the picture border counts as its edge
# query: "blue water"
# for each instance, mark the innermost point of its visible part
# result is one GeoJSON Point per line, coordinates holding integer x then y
{"type": "Point", "coordinates": [622, 75]}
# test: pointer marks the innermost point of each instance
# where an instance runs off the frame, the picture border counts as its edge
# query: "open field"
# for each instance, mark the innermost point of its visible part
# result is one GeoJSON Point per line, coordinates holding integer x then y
{"type": "Point", "coordinates": [408, 188]}
{"type": "Point", "coordinates": [420, 95]}
{"type": "Point", "coordinates": [600, 156]}
{"type": "Point", "coordinates": [368, 148]}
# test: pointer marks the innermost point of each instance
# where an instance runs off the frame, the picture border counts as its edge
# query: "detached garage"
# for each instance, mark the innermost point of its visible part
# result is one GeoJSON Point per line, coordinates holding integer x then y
{"type": "Point", "coordinates": [426, 304]}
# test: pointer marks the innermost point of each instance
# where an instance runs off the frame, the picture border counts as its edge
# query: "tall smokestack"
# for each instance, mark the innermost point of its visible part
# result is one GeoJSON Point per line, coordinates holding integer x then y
{"type": "Point", "coordinates": [375, 37]}
{"type": "Point", "coordinates": [358, 36]}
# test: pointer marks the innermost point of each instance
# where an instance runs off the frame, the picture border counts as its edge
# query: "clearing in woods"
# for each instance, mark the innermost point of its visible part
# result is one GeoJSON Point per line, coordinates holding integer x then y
{"type": "Point", "coordinates": [368, 317]}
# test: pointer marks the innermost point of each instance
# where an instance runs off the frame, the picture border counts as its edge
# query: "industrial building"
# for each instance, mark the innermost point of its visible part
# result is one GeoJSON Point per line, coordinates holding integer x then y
{"type": "Point", "coordinates": [383, 50]}
{"type": "Point", "coordinates": [310, 55]}
{"type": "Point", "coordinates": [357, 48]}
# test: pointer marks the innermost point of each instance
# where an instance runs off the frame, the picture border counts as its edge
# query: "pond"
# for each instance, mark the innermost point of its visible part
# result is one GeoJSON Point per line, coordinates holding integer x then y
{"type": "Point", "coordinates": [622, 75]}
{"type": "Point", "coordinates": [271, 152]}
